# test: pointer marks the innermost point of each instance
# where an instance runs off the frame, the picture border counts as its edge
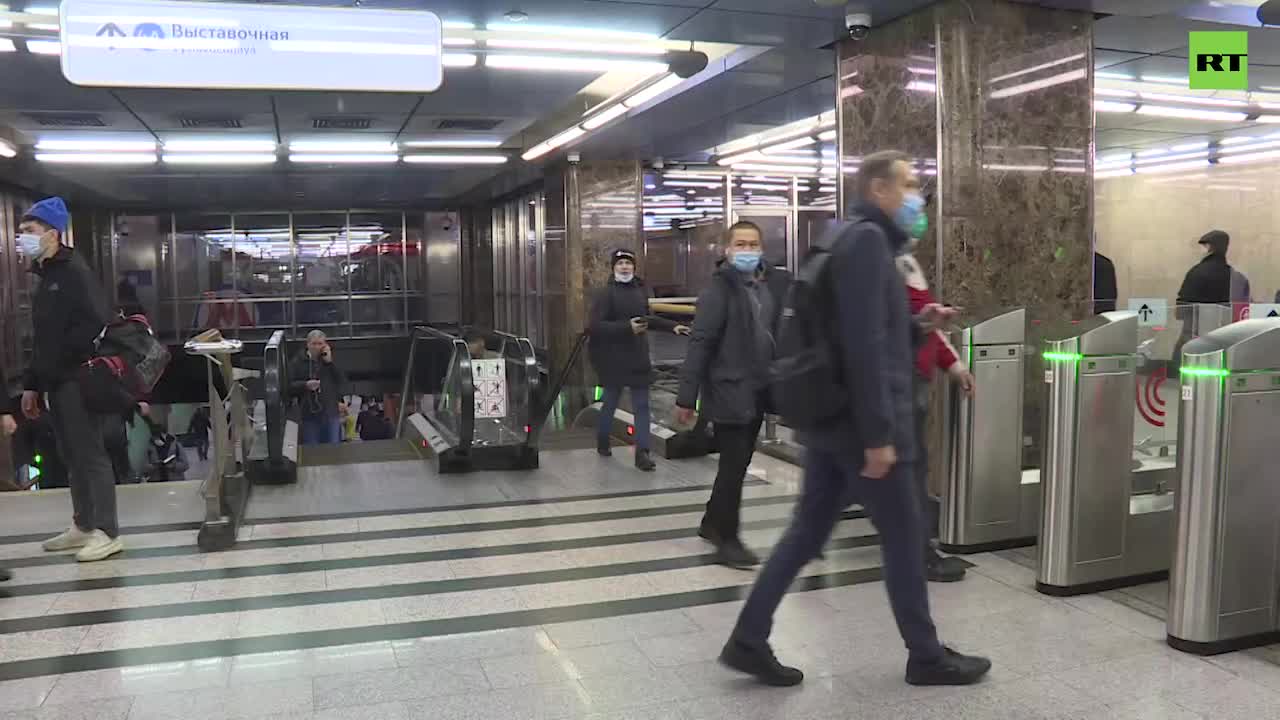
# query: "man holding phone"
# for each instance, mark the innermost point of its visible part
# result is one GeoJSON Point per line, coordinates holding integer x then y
{"type": "Point", "coordinates": [319, 385]}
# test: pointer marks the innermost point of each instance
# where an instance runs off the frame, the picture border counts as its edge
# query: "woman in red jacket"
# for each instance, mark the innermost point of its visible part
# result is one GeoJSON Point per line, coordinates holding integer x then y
{"type": "Point", "coordinates": [936, 353]}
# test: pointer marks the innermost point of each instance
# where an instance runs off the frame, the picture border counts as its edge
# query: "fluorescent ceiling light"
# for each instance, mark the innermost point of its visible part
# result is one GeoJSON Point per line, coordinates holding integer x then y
{"type": "Point", "coordinates": [1036, 68]}
{"type": "Point", "coordinates": [354, 146]}
{"type": "Point", "coordinates": [604, 116]}
{"type": "Point", "coordinates": [1251, 147]}
{"type": "Point", "coordinates": [1113, 92]}
{"type": "Point", "coordinates": [98, 158]}
{"type": "Point", "coordinates": [827, 135]}
{"type": "Point", "coordinates": [1190, 114]}
{"type": "Point", "coordinates": [1267, 119]}
{"type": "Point", "coordinates": [1236, 140]}
{"type": "Point", "coordinates": [229, 145]}
{"type": "Point", "coordinates": [1153, 151]}
{"type": "Point", "coordinates": [1249, 157]}
{"type": "Point", "coordinates": [42, 11]}
{"type": "Point", "coordinates": [6, 45]}
{"type": "Point", "coordinates": [458, 42]}
{"type": "Point", "coordinates": [1017, 168]}
{"type": "Point", "coordinates": [789, 145]}
{"type": "Point", "coordinates": [693, 175]}
{"type": "Point", "coordinates": [1108, 106]}
{"type": "Point", "coordinates": [922, 86]}
{"type": "Point", "coordinates": [45, 47]}
{"type": "Point", "coordinates": [1194, 100]}
{"type": "Point", "coordinates": [571, 63]}
{"type": "Point", "coordinates": [1180, 156]}
{"type": "Point", "coordinates": [653, 91]}
{"type": "Point", "coordinates": [1150, 169]}
{"type": "Point", "coordinates": [93, 144]}
{"type": "Point", "coordinates": [219, 158]}
{"type": "Point", "coordinates": [1113, 173]}
{"type": "Point", "coordinates": [575, 46]}
{"type": "Point", "coordinates": [567, 136]}
{"type": "Point", "coordinates": [1166, 80]}
{"type": "Point", "coordinates": [691, 184]}
{"type": "Point", "coordinates": [7, 149]}
{"type": "Point", "coordinates": [344, 158]}
{"type": "Point", "coordinates": [1184, 147]}
{"type": "Point", "coordinates": [458, 25]}
{"type": "Point", "coordinates": [1113, 75]}
{"type": "Point", "coordinates": [471, 159]}
{"type": "Point", "coordinates": [922, 71]}
{"type": "Point", "coordinates": [763, 186]}
{"type": "Point", "coordinates": [459, 60]}
{"type": "Point", "coordinates": [462, 143]}
{"type": "Point", "coordinates": [568, 31]}
{"type": "Point", "coordinates": [780, 169]}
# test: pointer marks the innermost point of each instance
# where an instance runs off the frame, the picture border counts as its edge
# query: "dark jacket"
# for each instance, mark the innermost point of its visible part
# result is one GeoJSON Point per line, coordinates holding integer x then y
{"type": "Point", "coordinates": [8, 406]}
{"type": "Point", "coordinates": [333, 383]}
{"type": "Point", "coordinates": [723, 361]}
{"type": "Point", "coordinates": [1104, 284]}
{"type": "Point", "coordinates": [1208, 281]}
{"type": "Point", "coordinates": [67, 313]}
{"type": "Point", "coordinates": [873, 331]}
{"type": "Point", "coordinates": [619, 356]}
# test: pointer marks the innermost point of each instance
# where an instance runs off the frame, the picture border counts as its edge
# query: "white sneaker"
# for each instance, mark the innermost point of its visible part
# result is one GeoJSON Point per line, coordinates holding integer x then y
{"type": "Point", "coordinates": [99, 547]}
{"type": "Point", "coordinates": [69, 540]}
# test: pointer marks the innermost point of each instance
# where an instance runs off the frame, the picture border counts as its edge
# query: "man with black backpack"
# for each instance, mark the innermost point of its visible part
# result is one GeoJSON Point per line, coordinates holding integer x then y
{"type": "Point", "coordinates": [67, 316]}
{"type": "Point", "coordinates": [848, 388]}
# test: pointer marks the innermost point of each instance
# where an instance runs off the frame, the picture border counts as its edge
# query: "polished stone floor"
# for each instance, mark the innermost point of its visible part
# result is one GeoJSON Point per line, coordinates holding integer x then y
{"type": "Point", "coordinates": [577, 591]}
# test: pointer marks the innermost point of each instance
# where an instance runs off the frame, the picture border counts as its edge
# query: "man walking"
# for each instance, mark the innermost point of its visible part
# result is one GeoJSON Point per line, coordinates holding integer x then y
{"type": "Point", "coordinates": [67, 313]}
{"type": "Point", "coordinates": [870, 449]}
{"type": "Point", "coordinates": [727, 363]}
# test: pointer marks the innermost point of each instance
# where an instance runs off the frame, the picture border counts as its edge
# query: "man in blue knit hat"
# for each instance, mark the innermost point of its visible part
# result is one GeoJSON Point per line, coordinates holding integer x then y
{"type": "Point", "coordinates": [67, 313]}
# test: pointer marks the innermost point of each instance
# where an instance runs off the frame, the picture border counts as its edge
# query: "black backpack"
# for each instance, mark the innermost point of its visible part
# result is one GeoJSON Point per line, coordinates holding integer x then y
{"type": "Point", "coordinates": [127, 363]}
{"type": "Point", "coordinates": [806, 375]}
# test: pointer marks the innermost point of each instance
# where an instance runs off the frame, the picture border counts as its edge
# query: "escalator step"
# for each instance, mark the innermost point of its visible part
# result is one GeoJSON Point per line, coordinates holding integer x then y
{"type": "Point", "coordinates": [354, 453]}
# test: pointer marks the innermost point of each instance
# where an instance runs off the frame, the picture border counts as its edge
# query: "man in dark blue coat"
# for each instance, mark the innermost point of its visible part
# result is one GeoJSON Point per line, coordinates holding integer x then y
{"type": "Point", "coordinates": [870, 451]}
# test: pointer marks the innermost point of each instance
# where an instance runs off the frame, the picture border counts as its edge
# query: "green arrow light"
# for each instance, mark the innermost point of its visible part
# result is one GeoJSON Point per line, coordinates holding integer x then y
{"type": "Point", "coordinates": [1205, 372]}
{"type": "Point", "coordinates": [1062, 357]}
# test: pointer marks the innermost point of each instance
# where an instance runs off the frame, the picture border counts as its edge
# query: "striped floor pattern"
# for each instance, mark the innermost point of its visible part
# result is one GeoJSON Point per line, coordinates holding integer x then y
{"type": "Point", "coordinates": [605, 605]}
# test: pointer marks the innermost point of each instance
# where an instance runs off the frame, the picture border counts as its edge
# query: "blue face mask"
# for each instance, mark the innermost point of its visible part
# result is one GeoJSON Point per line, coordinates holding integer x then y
{"type": "Point", "coordinates": [746, 261]}
{"type": "Point", "coordinates": [909, 214]}
{"type": "Point", "coordinates": [29, 245]}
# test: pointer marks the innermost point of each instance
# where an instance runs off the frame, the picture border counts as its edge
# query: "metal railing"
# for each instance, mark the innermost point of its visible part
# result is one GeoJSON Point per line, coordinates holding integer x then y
{"type": "Point", "coordinates": [225, 490]}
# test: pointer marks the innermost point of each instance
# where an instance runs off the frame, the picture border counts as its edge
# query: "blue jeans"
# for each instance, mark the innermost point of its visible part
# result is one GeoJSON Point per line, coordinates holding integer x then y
{"type": "Point", "coordinates": [321, 430]}
{"type": "Point", "coordinates": [639, 402]}
{"type": "Point", "coordinates": [893, 502]}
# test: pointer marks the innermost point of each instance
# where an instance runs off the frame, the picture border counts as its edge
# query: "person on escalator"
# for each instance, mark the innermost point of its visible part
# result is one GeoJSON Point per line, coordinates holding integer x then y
{"type": "Point", "coordinates": [199, 427]}
{"type": "Point", "coordinates": [318, 385]}
{"type": "Point", "coordinates": [727, 364]}
{"type": "Point", "coordinates": [619, 349]}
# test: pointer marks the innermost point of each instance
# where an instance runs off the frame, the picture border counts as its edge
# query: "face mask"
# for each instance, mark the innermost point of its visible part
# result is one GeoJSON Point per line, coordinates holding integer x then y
{"type": "Point", "coordinates": [909, 214]}
{"type": "Point", "coordinates": [29, 245]}
{"type": "Point", "coordinates": [624, 277]}
{"type": "Point", "coordinates": [746, 261]}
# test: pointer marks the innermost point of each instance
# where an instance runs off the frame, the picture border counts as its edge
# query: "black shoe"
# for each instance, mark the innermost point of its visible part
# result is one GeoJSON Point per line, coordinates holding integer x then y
{"type": "Point", "coordinates": [5, 574]}
{"type": "Point", "coordinates": [602, 448]}
{"type": "Point", "coordinates": [822, 555]}
{"type": "Point", "coordinates": [759, 662]}
{"type": "Point", "coordinates": [710, 534]}
{"type": "Point", "coordinates": [943, 570]}
{"type": "Point", "coordinates": [644, 462]}
{"type": "Point", "coordinates": [951, 669]}
{"type": "Point", "coordinates": [734, 554]}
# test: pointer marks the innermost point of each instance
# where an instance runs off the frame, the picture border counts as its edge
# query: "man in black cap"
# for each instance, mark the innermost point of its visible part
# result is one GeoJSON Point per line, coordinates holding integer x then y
{"type": "Point", "coordinates": [620, 350]}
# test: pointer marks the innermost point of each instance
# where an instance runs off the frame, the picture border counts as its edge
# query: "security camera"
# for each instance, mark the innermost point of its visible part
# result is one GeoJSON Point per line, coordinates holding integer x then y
{"type": "Point", "coordinates": [574, 158]}
{"type": "Point", "coordinates": [858, 24]}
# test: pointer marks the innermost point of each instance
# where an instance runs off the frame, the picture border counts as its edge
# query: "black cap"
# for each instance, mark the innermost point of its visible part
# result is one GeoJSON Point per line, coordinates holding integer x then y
{"type": "Point", "coordinates": [1217, 240]}
{"type": "Point", "coordinates": [621, 254]}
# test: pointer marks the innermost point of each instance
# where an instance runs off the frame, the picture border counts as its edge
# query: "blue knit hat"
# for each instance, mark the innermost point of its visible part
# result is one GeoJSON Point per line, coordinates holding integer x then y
{"type": "Point", "coordinates": [50, 211]}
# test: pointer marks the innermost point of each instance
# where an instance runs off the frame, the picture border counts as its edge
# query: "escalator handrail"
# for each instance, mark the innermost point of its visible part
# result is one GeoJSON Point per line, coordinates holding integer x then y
{"type": "Point", "coordinates": [459, 358]}
{"type": "Point", "coordinates": [275, 382]}
{"type": "Point", "coordinates": [556, 387]}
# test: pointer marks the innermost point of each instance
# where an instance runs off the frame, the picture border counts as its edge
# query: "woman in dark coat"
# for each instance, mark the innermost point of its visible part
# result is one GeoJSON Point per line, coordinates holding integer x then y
{"type": "Point", "coordinates": [619, 350]}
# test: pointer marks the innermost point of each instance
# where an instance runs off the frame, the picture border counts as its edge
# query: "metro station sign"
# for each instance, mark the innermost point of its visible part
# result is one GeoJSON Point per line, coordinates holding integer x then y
{"type": "Point", "coordinates": [231, 46]}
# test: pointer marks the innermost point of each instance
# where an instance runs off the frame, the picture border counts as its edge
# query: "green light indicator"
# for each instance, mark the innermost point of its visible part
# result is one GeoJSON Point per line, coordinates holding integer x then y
{"type": "Point", "coordinates": [37, 459]}
{"type": "Point", "coordinates": [1205, 372]}
{"type": "Point", "coordinates": [599, 393]}
{"type": "Point", "coordinates": [1062, 357]}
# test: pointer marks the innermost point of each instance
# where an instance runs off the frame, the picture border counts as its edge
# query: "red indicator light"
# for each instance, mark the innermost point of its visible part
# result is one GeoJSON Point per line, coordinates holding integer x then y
{"type": "Point", "coordinates": [631, 429]}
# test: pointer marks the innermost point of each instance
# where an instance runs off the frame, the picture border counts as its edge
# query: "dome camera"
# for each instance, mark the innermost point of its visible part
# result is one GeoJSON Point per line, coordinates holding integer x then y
{"type": "Point", "coordinates": [858, 24]}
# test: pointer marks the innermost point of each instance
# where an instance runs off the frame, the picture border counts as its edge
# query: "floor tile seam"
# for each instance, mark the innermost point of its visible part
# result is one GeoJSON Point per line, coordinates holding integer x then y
{"type": "Point", "coordinates": [320, 598]}
{"type": "Point", "coordinates": [45, 559]}
{"type": "Point", "coordinates": [378, 560]}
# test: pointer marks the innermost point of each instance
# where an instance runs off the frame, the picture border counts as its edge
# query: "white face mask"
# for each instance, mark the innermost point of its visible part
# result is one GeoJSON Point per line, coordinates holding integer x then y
{"type": "Point", "coordinates": [624, 277]}
{"type": "Point", "coordinates": [29, 245]}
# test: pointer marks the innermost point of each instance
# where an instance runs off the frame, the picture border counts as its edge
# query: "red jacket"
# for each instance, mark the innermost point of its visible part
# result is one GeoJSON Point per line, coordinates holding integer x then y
{"type": "Point", "coordinates": [936, 353]}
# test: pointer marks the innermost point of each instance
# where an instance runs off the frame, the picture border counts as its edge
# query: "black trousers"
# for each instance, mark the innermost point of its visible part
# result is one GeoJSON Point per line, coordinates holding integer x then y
{"type": "Point", "coordinates": [737, 444]}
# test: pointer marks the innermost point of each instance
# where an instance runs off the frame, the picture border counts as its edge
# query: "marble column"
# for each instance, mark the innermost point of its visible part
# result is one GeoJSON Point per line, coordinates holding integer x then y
{"type": "Point", "coordinates": [994, 101]}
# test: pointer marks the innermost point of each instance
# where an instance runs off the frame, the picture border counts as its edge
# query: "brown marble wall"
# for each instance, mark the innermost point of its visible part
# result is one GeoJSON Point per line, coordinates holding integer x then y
{"type": "Point", "coordinates": [993, 98]}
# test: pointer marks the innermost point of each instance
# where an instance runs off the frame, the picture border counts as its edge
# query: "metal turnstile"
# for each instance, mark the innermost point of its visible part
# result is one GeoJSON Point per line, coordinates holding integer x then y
{"type": "Point", "coordinates": [985, 503]}
{"type": "Point", "coordinates": [1226, 561]}
{"type": "Point", "coordinates": [1106, 518]}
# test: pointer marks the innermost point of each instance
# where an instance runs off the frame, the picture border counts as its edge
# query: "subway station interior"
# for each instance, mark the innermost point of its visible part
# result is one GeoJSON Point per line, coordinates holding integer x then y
{"type": "Point", "coordinates": [444, 208]}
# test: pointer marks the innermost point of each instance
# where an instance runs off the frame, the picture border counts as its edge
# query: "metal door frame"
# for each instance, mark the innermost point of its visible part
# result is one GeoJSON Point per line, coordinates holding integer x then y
{"type": "Point", "coordinates": [789, 214]}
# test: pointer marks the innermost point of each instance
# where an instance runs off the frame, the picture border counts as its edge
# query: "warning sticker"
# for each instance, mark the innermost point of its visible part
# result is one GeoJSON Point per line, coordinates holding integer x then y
{"type": "Point", "coordinates": [490, 379]}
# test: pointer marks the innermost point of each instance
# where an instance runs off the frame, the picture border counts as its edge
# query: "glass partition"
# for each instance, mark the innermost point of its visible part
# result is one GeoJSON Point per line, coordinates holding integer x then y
{"type": "Point", "coordinates": [264, 274]}
{"type": "Point", "coordinates": [377, 273]}
{"type": "Point", "coordinates": [321, 286]}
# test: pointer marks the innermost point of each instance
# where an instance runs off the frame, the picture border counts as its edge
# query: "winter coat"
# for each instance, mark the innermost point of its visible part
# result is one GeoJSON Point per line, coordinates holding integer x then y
{"type": "Point", "coordinates": [67, 313]}
{"type": "Point", "coordinates": [332, 385]}
{"type": "Point", "coordinates": [723, 362]}
{"type": "Point", "coordinates": [619, 356]}
{"type": "Point", "coordinates": [1208, 281]}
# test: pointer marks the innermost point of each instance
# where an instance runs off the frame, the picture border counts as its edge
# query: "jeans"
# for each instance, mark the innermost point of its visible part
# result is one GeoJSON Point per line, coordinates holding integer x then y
{"type": "Point", "coordinates": [932, 508]}
{"type": "Point", "coordinates": [737, 444]}
{"type": "Point", "coordinates": [321, 430]}
{"type": "Point", "coordinates": [82, 441]}
{"type": "Point", "coordinates": [639, 402]}
{"type": "Point", "coordinates": [894, 506]}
